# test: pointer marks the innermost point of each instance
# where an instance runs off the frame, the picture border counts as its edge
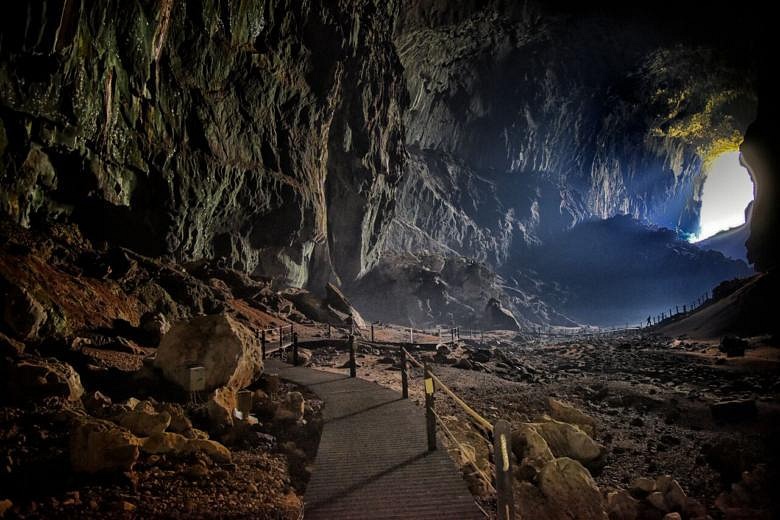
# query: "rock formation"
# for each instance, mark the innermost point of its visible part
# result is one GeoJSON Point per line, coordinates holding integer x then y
{"type": "Point", "coordinates": [266, 133]}
{"type": "Point", "coordinates": [227, 350]}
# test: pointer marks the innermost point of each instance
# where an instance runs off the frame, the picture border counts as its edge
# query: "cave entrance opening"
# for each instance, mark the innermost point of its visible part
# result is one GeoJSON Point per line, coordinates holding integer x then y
{"type": "Point", "coordinates": [727, 192]}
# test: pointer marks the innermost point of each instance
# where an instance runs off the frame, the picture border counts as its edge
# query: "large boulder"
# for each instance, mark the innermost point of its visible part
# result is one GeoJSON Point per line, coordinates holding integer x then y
{"type": "Point", "coordinates": [569, 488]}
{"type": "Point", "coordinates": [733, 346]}
{"type": "Point", "coordinates": [564, 490]}
{"type": "Point", "coordinates": [21, 312]}
{"type": "Point", "coordinates": [567, 440]}
{"type": "Point", "coordinates": [531, 450]}
{"type": "Point", "coordinates": [37, 379]}
{"type": "Point", "coordinates": [622, 506]}
{"type": "Point", "coordinates": [567, 413]}
{"type": "Point", "coordinates": [229, 352]}
{"type": "Point", "coordinates": [336, 300]}
{"type": "Point", "coordinates": [499, 317]}
{"type": "Point", "coordinates": [167, 443]}
{"type": "Point", "coordinates": [97, 445]}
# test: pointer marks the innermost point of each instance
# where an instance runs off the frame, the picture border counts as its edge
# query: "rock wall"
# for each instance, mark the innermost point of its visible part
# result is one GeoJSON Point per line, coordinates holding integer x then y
{"type": "Point", "coordinates": [525, 120]}
{"type": "Point", "coordinates": [267, 132]}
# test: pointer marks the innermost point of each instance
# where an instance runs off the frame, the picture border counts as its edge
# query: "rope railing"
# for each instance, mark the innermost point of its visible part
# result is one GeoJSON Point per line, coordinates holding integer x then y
{"type": "Point", "coordinates": [498, 434]}
{"type": "Point", "coordinates": [465, 452]}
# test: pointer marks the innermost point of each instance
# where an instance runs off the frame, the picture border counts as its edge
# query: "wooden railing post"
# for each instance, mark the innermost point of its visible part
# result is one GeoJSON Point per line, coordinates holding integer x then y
{"type": "Point", "coordinates": [411, 336]}
{"type": "Point", "coordinates": [372, 333]}
{"type": "Point", "coordinates": [502, 457]}
{"type": "Point", "coordinates": [404, 376]}
{"type": "Point", "coordinates": [295, 348]}
{"type": "Point", "coordinates": [262, 343]}
{"type": "Point", "coordinates": [281, 336]}
{"type": "Point", "coordinates": [352, 361]}
{"type": "Point", "coordinates": [430, 418]}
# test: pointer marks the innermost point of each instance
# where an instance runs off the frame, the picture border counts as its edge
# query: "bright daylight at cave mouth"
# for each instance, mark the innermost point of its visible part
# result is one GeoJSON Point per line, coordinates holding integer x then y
{"type": "Point", "coordinates": [728, 189]}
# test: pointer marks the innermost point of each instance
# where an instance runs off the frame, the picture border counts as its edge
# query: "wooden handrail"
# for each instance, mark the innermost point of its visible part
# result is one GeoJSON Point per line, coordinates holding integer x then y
{"type": "Point", "coordinates": [481, 421]}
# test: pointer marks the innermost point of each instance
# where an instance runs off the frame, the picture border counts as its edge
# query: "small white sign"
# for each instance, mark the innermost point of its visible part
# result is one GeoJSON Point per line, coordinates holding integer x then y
{"type": "Point", "coordinates": [197, 379]}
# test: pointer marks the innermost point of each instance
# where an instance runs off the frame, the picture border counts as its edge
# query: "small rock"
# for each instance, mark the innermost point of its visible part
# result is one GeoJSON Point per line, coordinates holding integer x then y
{"type": "Point", "coordinates": [219, 408]}
{"type": "Point", "coordinates": [675, 497]}
{"type": "Point", "coordinates": [180, 423]}
{"type": "Point", "coordinates": [733, 346]}
{"type": "Point", "coordinates": [39, 379]}
{"type": "Point", "coordinates": [304, 357]}
{"type": "Point", "coordinates": [213, 449]}
{"type": "Point", "coordinates": [96, 403]}
{"type": "Point", "coordinates": [672, 516]}
{"type": "Point", "coordinates": [165, 442]}
{"type": "Point", "coordinates": [694, 509]}
{"type": "Point", "coordinates": [144, 424]}
{"type": "Point", "coordinates": [5, 506]}
{"type": "Point", "coordinates": [154, 325]}
{"type": "Point", "coordinates": [643, 486]}
{"type": "Point", "coordinates": [292, 409]}
{"type": "Point", "coordinates": [22, 314]}
{"type": "Point", "coordinates": [197, 471]}
{"type": "Point", "coordinates": [97, 445]}
{"type": "Point", "coordinates": [657, 500]}
{"type": "Point", "coordinates": [464, 363]}
{"type": "Point", "coordinates": [127, 507]}
{"type": "Point", "coordinates": [622, 506]}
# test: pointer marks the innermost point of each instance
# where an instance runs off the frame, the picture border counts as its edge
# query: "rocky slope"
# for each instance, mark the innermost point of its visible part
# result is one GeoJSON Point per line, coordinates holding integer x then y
{"type": "Point", "coordinates": [268, 133]}
{"type": "Point", "coordinates": [438, 289]}
{"type": "Point", "coordinates": [618, 271]}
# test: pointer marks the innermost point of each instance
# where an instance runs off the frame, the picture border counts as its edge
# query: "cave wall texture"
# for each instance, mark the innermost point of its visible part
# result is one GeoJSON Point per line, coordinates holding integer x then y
{"type": "Point", "coordinates": [306, 139]}
{"type": "Point", "coordinates": [269, 133]}
{"type": "Point", "coordinates": [527, 120]}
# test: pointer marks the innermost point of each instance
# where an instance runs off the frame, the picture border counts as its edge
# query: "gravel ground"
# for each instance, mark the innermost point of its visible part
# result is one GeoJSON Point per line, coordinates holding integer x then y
{"type": "Point", "coordinates": [651, 397]}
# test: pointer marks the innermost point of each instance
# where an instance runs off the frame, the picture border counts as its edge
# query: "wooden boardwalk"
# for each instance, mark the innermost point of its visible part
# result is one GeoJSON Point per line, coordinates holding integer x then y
{"type": "Point", "coordinates": [372, 461]}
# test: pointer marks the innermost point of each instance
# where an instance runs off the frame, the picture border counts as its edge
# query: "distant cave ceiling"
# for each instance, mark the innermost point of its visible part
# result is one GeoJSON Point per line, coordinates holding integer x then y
{"type": "Point", "coordinates": [526, 121]}
{"type": "Point", "coordinates": [304, 140]}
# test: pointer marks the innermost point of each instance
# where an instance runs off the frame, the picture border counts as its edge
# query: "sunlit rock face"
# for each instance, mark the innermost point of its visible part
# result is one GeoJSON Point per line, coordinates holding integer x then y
{"type": "Point", "coordinates": [525, 121]}
{"type": "Point", "coordinates": [269, 133]}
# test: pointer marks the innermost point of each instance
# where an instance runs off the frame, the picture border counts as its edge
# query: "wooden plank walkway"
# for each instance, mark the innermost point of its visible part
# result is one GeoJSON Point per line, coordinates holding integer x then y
{"type": "Point", "coordinates": [372, 461]}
